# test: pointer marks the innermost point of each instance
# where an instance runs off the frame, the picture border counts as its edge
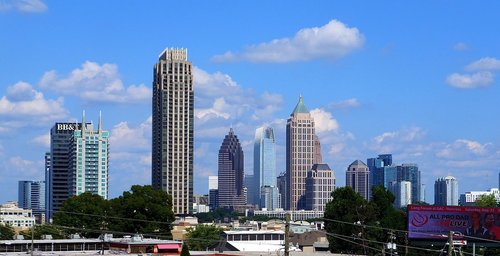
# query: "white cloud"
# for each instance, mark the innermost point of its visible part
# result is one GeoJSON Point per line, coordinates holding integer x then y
{"type": "Point", "coordinates": [397, 140]}
{"type": "Point", "coordinates": [461, 46]}
{"type": "Point", "coordinates": [463, 148]}
{"type": "Point", "coordinates": [124, 138]}
{"type": "Point", "coordinates": [344, 104]}
{"type": "Point", "coordinates": [43, 140]}
{"type": "Point", "coordinates": [324, 121]}
{"type": "Point", "coordinates": [215, 111]}
{"type": "Point", "coordinates": [22, 106]}
{"type": "Point", "coordinates": [23, 5]}
{"type": "Point", "coordinates": [466, 81]}
{"type": "Point", "coordinates": [487, 63]}
{"type": "Point", "coordinates": [94, 82]}
{"type": "Point", "coordinates": [331, 41]}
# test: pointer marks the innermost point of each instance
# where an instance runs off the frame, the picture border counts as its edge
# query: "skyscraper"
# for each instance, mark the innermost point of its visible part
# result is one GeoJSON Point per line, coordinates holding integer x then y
{"type": "Point", "coordinates": [300, 152]}
{"type": "Point", "coordinates": [31, 195]}
{"type": "Point", "coordinates": [402, 193]}
{"type": "Point", "coordinates": [379, 174]}
{"type": "Point", "coordinates": [410, 172]}
{"type": "Point", "coordinates": [173, 120]}
{"type": "Point", "coordinates": [320, 183]}
{"type": "Point", "coordinates": [231, 189]}
{"type": "Point", "coordinates": [358, 178]}
{"type": "Point", "coordinates": [57, 165]}
{"type": "Point", "coordinates": [264, 167]}
{"type": "Point", "coordinates": [77, 163]}
{"type": "Point", "coordinates": [446, 191]}
{"type": "Point", "coordinates": [88, 160]}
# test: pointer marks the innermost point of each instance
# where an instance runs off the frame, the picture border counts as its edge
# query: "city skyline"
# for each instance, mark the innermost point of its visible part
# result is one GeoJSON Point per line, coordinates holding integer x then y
{"type": "Point", "coordinates": [418, 83]}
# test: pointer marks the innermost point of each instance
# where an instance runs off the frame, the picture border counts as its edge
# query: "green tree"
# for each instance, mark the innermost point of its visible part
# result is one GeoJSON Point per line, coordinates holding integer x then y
{"type": "Point", "coordinates": [185, 250]}
{"type": "Point", "coordinates": [487, 200]}
{"type": "Point", "coordinates": [84, 214]}
{"type": "Point", "coordinates": [6, 232]}
{"type": "Point", "coordinates": [143, 210]}
{"type": "Point", "coordinates": [202, 236]}
{"type": "Point", "coordinates": [46, 229]}
{"type": "Point", "coordinates": [345, 209]}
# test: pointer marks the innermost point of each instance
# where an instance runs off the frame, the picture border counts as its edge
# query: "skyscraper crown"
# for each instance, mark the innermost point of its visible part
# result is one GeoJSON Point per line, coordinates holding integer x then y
{"type": "Point", "coordinates": [300, 108]}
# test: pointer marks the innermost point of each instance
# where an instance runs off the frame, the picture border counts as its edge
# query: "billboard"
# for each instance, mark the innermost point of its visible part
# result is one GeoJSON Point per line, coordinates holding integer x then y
{"type": "Point", "coordinates": [435, 222]}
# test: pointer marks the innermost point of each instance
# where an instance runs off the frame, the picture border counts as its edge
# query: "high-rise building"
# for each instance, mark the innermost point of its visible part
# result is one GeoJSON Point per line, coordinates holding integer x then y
{"type": "Point", "coordinates": [252, 191]}
{"type": "Point", "coordinates": [57, 167]}
{"type": "Point", "coordinates": [88, 160]}
{"type": "Point", "coordinates": [410, 172]}
{"type": "Point", "coordinates": [264, 167]}
{"type": "Point", "coordinates": [318, 157]}
{"type": "Point", "coordinates": [381, 170]}
{"type": "Point", "coordinates": [446, 191]}
{"type": "Point", "coordinates": [269, 197]}
{"type": "Point", "coordinates": [300, 152]}
{"type": "Point", "coordinates": [31, 195]}
{"type": "Point", "coordinates": [320, 183]}
{"type": "Point", "coordinates": [358, 178]}
{"type": "Point", "coordinates": [231, 189]}
{"type": "Point", "coordinates": [402, 193]}
{"type": "Point", "coordinates": [173, 122]}
{"type": "Point", "coordinates": [282, 190]}
{"type": "Point", "coordinates": [77, 163]}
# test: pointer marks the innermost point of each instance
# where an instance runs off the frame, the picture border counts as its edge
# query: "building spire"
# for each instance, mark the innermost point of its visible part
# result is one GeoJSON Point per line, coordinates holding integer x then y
{"type": "Point", "coordinates": [300, 107]}
{"type": "Point", "coordinates": [83, 121]}
{"type": "Point", "coordinates": [99, 125]}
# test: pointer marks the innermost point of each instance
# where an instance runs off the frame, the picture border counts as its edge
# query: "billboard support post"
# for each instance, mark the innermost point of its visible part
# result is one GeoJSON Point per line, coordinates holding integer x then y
{"type": "Point", "coordinates": [450, 243]}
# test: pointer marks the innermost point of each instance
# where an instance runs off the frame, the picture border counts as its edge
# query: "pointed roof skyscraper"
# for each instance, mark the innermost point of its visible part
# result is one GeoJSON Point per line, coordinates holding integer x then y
{"type": "Point", "coordinates": [300, 107]}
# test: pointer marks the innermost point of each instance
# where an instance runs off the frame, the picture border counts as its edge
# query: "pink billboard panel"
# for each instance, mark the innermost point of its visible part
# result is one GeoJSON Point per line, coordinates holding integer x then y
{"type": "Point", "coordinates": [435, 222]}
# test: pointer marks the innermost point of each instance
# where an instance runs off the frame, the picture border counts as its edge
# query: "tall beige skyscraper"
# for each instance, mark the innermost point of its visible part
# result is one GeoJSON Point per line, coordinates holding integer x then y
{"type": "Point", "coordinates": [300, 155]}
{"type": "Point", "coordinates": [173, 112]}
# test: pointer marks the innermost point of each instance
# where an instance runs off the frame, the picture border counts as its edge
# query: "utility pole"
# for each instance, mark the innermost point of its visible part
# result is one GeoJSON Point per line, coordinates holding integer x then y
{"type": "Point", "coordinates": [287, 234]}
{"type": "Point", "coordinates": [450, 243]}
{"type": "Point", "coordinates": [32, 237]}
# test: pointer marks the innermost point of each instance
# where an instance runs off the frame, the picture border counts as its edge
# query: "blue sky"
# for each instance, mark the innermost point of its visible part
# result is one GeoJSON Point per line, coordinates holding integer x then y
{"type": "Point", "coordinates": [417, 80]}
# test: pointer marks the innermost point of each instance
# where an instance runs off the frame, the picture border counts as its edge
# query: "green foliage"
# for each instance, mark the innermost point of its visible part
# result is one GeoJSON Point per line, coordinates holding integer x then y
{"type": "Point", "coordinates": [152, 206]}
{"type": "Point", "coordinates": [6, 232]}
{"type": "Point", "coordinates": [141, 210]}
{"type": "Point", "coordinates": [80, 214]}
{"type": "Point", "coordinates": [185, 250]}
{"type": "Point", "coordinates": [202, 236]}
{"type": "Point", "coordinates": [360, 218]}
{"type": "Point", "coordinates": [46, 229]}
{"type": "Point", "coordinates": [218, 215]}
{"type": "Point", "coordinates": [487, 200]}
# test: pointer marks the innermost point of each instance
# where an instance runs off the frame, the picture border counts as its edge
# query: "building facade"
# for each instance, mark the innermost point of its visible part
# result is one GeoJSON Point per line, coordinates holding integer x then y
{"type": "Point", "coordinates": [358, 178]}
{"type": "Point", "coordinates": [173, 128]}
{"type": "Point", "coordinates": [57, 174]}
{"type": "Point", "coordinates": [231, 173]}
{"type": "Point", "coordinates": [265, 167]}
{"type": "Point", "coordinates": [411, 173]}
{"type": "Point", "coordinates": [31, 195]}
{"type": "Point", "coordinates": [300, 146]}
{"type": "Point", "coordinates": [89, 160]}
{"type": "Point", "coordinates": [320, 183]}
{"type": "Point", "coordinates": [18, 218]}
{"type": "Point", "coordinates": [469, 198]}
{"type": "Point", "coordinates": [381, 170]}
{"type": "Point", "coordinates": [402, 192]}
{"type": "Point", "coordinates": [446, 191]}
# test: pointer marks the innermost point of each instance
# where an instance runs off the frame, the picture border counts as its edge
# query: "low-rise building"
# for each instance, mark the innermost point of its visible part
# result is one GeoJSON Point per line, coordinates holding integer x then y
{"type": "Point", "coordinates": [469, 198]}
{"type": "Point", "coordinates": [20, 219]}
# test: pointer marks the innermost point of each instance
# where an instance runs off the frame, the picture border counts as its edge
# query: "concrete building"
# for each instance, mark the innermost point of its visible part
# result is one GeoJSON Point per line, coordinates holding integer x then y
{"type": "Point", "coordinates": [320, 183]}
{"type": "Point", "coordinates": [402, 193]}
{"type": "Point", "coordinates": [231, 173]}
{"type": "Point", "coordinates": [282, 190]}
{"type": "Point", "coordinates": [294, 215]}
{"type": "Point", "coordinates": [265, 168]}
{"type": "Point", "coordinates": [446, 191]}
{"type": "Point", "coordinates": [411, 173]}
{"type": "Point", "coordinates": [469, 198]}
{"type": "Point", "coordinates": [300, 154]}
{"type": "Point", "coordinates": [88, 159]}
{"type": "Point", "coordinates": [31, 195]}
{"type": "Point", "coordinates": [213, 186]}
{"type": "Point", "coordinates": [358, 178]}
{"type": "Point", "coordinates": [173, 132]}
{"type": "Point", "coordinates": [19, 218]}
